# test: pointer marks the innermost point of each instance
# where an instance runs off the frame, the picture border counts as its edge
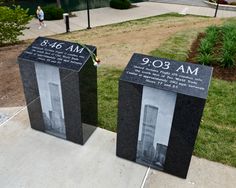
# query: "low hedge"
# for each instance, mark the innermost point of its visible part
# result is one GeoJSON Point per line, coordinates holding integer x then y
{"type": "Point", "coordinates": [52, 13]}
{"type": "Point", "coordinates": [224, 2]}
{"type": "Point", "coordinates": [120, 4]}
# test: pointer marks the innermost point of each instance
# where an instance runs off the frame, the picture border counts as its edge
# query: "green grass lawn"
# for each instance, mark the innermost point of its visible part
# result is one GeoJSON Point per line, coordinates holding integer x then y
{"type": "Point", "coordinates": [216, 139]}
{"type": "Point", "coordinates": [217, 135]}
{"type": "Point", "coordinates": [177, 46]}
{"type": "Point", "coordinates": [108, 97]}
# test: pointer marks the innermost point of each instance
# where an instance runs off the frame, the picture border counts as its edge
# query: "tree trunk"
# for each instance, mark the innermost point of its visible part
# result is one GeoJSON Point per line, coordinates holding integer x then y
{"type": "Point", "coordinates": [59, 3]}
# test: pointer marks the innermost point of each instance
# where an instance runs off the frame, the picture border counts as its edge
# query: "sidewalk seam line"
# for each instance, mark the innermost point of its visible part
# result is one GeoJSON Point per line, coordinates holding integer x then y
{"type": "Point", "coordinates": [13, 116]}
{"type": "Point", "coordinates": [145, 178]}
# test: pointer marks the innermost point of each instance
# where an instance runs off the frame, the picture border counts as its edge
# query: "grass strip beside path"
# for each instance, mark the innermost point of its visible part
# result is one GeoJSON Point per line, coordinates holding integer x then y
{"type": "Point", "coordinates": [108, 97]}
{"type": "Point", "coordinates": [216, 139]}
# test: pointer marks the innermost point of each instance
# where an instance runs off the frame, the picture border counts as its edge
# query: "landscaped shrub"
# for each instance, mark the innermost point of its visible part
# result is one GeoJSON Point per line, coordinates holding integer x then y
{"type": "Point", "coordinates": [206, 46]}
{"type": "Point", "coordinates": [218, 46]}
{"type": "Point", "coordinates": [120, 4]}
{"type": "Point", "coordinates": [205, 59]}
{"type": "Point", "coordinates": [224, 2]}
{"type": "Point", "coordinates": [52, 13]}
{"type": "Point", "coordinates": [12, 22]}
{"type": "Point", "coordinates": [228, 57]}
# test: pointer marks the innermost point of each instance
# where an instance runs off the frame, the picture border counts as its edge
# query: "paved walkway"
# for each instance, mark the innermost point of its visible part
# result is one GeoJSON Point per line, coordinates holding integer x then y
{"type": "Point", "coordinates": [107, 15]}
{"type": "Point", "coordinates": [32, 159]}
{"type": "Point", "coordinates": [199, 3]}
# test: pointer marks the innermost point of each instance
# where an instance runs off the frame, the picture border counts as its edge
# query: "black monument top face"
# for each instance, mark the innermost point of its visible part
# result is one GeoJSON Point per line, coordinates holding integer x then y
{"type": "Point", "coordinates": [58, 53]}
{"type": "Point", "coordinates": [180, 77]}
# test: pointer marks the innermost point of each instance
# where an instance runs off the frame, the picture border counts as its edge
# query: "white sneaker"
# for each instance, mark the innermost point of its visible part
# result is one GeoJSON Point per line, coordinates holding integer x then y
{"type": "Point", "coordinates": [44, 25]}
{"type": "Point", "coordinates": [40, 27]}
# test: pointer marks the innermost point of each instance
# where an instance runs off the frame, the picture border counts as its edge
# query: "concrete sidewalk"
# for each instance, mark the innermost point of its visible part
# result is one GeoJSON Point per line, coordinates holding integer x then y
{"type": "Point", "coordinates": [199, 3]}
{"type": "Point", "coordinates": [107, 15]}
{"type": "Point", "coordinates": [29, 158]}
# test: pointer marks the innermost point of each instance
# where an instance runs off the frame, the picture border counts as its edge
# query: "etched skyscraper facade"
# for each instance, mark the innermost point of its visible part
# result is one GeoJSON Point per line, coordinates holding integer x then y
{"type": "Point", "coordinates": [155, 125]}
{"type": "Point", "coordinates": [51, 99]}
{"type": "Point", "coordinates": [148, 133]}
{"type": "Point", "coordinates": [57, 122]}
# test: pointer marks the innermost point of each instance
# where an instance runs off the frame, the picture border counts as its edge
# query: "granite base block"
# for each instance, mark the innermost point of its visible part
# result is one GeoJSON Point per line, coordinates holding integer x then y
{"type": "Point", "coordinates": [130, 98]}
{"type": "Point", "coordinates": [79, 96]}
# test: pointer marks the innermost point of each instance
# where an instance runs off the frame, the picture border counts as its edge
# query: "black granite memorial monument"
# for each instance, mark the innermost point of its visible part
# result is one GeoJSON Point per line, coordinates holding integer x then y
{"type": "Point", "coordinates": [60, 86]}
{"type": "Point", "coordinates": [161, 103]}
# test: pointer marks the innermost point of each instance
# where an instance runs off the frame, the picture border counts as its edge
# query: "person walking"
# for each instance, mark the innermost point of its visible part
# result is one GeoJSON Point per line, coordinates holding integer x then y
{"type": "Point", "coordinates": [40, 16]}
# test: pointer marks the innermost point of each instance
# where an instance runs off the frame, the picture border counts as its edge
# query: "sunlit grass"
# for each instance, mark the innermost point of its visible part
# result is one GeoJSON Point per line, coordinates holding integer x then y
{"type": "Point", "coordinates": [177, 46]}
{"type": "Point", "coordinates": [108, 97]}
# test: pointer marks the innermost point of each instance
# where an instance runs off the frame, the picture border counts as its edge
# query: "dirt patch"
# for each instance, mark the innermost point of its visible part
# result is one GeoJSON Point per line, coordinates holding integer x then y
{"type": "Point", "coordinates": [115, 44]}
{"type": "Point", "coordinates": [11, 92]}
{"type": "Point", "coordinates": [195, 45]}
{"type": "Point", "coordinates": [222, 73]}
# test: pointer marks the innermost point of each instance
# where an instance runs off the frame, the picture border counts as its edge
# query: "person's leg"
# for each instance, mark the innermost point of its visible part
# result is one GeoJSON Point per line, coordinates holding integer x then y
{"type": "Point", "coordinates": [43, 23]}
{"type": "Point", "coordinates": [40, 24]}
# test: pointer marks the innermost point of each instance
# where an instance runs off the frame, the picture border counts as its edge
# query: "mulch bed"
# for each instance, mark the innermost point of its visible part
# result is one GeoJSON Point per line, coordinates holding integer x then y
{"type": "Point", "coordinates": [219, 72]}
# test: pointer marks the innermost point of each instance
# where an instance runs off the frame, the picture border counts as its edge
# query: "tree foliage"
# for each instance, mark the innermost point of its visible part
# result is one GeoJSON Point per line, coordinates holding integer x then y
{"type": "Point", "coordinates": [120, 4]}
{"type": "Point", "coordinates": [12, 22]}
{"type": "Point", "coordinates": [7, 1]}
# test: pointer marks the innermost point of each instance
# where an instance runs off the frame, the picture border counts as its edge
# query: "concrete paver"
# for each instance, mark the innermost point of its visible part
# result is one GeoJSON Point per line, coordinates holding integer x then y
{"type": "Point", "coordinates": [107, 15]}
{"type": "Point", "coordinates": [29, 158]}
{"type": "Point", "coordinates": [202, 173]}
{"type": "Point", "coordinates": [8, 112]}
{"type": "Point", "coordinates": [183, 2]}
